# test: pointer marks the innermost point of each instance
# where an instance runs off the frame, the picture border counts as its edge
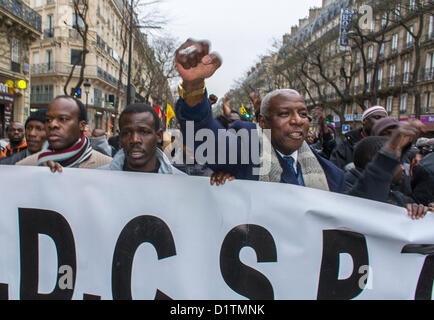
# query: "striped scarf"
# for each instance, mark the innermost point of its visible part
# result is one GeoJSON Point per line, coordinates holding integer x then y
{"type": "Point", "coordinates": [68, 158]}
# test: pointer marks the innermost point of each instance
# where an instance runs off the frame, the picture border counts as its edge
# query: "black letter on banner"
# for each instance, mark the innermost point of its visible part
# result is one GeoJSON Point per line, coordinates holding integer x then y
{"type": "Point", "coordinates": [137, 231]}
{"type": "Point", "coordinates": [31, 223]}
{"type": "Point", "coordinates": [334, 243]}
{"type": "Point", "coordinates": [242, 279]}
{"type": "Point", "coordinates": [426, 278]}
{"type": "Point", "coordinates": [4, 291]}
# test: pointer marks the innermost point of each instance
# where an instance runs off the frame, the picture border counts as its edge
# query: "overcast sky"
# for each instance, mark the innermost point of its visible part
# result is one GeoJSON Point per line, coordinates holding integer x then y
{"type": "Point", "coordinates": [239, 30]}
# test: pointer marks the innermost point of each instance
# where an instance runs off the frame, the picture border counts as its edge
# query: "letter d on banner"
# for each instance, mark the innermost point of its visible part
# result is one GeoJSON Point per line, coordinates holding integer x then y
{"type": "Point", "coordinates": [31, 223]}
{"type": "Point", "coordinates": [334, 243]}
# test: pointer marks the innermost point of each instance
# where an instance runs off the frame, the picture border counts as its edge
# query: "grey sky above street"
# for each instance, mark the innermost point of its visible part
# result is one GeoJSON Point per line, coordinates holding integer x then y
{"type": "Point", "coordinates": [239, 30]}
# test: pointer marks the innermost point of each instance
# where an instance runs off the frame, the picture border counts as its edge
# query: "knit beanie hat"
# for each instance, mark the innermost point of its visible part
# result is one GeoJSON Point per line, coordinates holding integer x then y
{"type": "Point", "coordinates": [368, 112]}
{"type": "Point", "coordinates": [38, 116]}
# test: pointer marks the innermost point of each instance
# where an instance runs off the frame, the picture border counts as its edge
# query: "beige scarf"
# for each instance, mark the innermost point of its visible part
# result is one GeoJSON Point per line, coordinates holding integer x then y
{"type": "Point", "coordinates": [271, 171]}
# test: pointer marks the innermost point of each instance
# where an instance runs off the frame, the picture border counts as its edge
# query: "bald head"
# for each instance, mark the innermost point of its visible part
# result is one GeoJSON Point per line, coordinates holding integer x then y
{"type": "Point", "coordinates": [266, 102]}
{"type": "Point", "coordinates": [16, 133]}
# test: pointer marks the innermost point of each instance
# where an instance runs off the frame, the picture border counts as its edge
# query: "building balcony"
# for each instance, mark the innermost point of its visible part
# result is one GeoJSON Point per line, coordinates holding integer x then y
{"type": "Point", "coordinates": [97, 102]}
{"type": "Point", "coordinates": [42, 68]}
{"type": "Point", "coordinates": [23, 12]}
{"type": "Point", "coordinates": [41, 98]}
{"type": "Point", "coordinates": [48, 33]}
{"type": "Point", "coordinates": [60, 69]}
{"type": "Point", "coordinates": [391, 81]}
{"type": "Point", "coordinates": [429, 36]}
{"type": "Point", "coordinates": [73, 34]}
{"type": "Point", "coordinates": [427, 74]}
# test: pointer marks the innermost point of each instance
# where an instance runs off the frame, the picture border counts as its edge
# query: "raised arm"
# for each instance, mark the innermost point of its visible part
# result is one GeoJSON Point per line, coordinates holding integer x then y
{"type": "Point", "coordinates": [194, 64]}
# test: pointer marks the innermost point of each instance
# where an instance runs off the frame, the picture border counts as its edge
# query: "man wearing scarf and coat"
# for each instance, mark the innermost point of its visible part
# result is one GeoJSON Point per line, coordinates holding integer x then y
{"type": "Point", "coordinates": [66, 145]}
{"type": "Point", "coordinates": [283, 113]}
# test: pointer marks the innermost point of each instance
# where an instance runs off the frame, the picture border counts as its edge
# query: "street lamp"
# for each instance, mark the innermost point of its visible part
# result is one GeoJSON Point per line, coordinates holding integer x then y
{"type": "Point", "coordinates": [86, 90]}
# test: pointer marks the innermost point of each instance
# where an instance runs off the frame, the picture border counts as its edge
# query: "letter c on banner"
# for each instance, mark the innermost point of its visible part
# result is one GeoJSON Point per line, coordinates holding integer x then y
{"type": "Point", "coordinates": [139, 230]}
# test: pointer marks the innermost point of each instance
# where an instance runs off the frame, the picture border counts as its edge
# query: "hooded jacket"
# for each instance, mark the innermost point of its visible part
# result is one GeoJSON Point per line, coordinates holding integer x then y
{"type": "Point", "coordinates": [166, 167]}
{"type": "Point", "coordinates": [343, 153]}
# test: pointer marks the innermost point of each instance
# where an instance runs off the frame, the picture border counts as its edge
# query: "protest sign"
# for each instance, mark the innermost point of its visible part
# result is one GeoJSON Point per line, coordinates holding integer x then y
{"type": "Point", "coordinates": [95, 234]}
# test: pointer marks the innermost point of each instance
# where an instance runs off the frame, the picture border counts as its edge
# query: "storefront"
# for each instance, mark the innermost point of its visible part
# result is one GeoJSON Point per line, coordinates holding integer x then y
{"type": "Point", "coordinates": [6, 107]}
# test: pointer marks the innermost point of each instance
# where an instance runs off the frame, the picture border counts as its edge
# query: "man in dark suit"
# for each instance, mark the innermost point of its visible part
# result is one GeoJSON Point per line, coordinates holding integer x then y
{"type": "Point", "coordinates": [283, 118]}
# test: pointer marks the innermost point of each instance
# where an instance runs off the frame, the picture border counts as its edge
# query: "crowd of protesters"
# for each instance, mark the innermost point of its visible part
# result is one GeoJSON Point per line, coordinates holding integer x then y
{"type": "Point", "coordinates": [384, 160]}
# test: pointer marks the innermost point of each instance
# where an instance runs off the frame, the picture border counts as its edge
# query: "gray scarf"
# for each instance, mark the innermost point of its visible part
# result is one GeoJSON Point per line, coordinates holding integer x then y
{"type": "Point", "coordinates": [271, 171]}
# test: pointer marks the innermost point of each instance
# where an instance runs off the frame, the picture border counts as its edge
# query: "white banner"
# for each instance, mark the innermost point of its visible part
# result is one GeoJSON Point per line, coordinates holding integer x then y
{"type": "Point", "coordinates": [93, 234]}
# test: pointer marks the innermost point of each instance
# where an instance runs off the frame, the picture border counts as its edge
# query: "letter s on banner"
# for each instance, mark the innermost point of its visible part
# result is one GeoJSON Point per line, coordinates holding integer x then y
{"type": "Point", "coordinates": [239, 277]}
{"type": "Point", "coordinates": [139, 230]}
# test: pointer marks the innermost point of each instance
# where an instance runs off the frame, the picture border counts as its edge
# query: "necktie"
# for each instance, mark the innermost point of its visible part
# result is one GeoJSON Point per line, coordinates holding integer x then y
{"type": "Point", "coordinates": [298, 174]}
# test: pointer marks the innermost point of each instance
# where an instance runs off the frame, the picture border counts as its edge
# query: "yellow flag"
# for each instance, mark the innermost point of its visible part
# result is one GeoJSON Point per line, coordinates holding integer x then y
{"type": "Point", "coordinates": [243, 110]}
{"type": "Point", "coordinates": [170, 114]}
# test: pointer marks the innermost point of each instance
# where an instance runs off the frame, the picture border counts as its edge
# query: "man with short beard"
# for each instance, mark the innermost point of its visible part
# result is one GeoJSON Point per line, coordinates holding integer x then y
{"type": "Point", "coordinates": [140, 134]}
{"type": "Point", "coordinates": [35, 137]}
{"type": "Point", "coordinates": [17, 142]}
{"type": "Point", "coordinates": [66, 146]}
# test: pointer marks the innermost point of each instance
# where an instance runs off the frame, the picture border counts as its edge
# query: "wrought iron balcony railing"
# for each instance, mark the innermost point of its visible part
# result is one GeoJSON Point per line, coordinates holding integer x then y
{"type": "Point", "coordinates": [23, 12]}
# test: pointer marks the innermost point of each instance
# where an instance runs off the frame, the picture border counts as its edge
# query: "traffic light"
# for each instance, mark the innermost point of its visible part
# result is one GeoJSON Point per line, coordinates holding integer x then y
{"type": "Point", "coordinates": [77, 94]}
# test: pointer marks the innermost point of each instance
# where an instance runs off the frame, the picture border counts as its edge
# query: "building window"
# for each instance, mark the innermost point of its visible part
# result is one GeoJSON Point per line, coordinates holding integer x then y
{"type": "Point", "coordinates": [392, 75]}
{"type": "Point", "coordinates": [48, 55]}
{"type": "Point", "coordinates": [398, 11]}
{"type": "Point", "coordinates": [406, 75]}
{"type": "Point", "coordinates": [403, 104]}
{"type": "Point", "coordinates": [77, 22]}
{"type": "Point", "coordinates": [389, 105]}
{"type": "Point", "coordinates": [412, 6]}
{"type": "Point", "coordinates": [382, 49]}
{"type": "Point", "coordinates": [410, 37]}
{"type": "Point", "coordinates": [76, 57]}
{"type": "Point", "coordinates": [370, 53]}
{"type": "Point", "coordinates": [431, 27]}
{"type": "Point", "coordinates": [15, 55]}
{"type": "Point", "coordinates": [42, 93]}
{"type": "Point", "coordinates": [384, 19]}
{"type": "Point", "coordinates": [429, 66]}
{"type": "Point", "coordinates": [428, 102]}
{"type": "Point", "coordinates": [372, 26]}
{"type": "Point", "coordinates": [380, 78]}
{"type": "Point", "coordinates": [356, 84]}
{"type": "Point", "coordinates": [97, 96]}
{"type": "Point", "coordinates": [366, 104]}
{"type": "Point", "coordinates": [368, 80]}
{"type": "Point", "coordinates": [395, 42]}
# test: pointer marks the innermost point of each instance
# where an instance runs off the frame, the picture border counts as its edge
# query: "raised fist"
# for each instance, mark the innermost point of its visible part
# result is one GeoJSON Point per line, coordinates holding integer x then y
{"type": "Point", "coordinates": [194, 62]}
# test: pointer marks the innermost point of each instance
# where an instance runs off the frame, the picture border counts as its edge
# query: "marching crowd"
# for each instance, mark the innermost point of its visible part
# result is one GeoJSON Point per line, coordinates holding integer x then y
{"type": "Point", "coordinates": [384, 160]}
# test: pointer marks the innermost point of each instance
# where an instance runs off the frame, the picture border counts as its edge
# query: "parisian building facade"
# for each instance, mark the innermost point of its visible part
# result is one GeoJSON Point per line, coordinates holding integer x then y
{"type": "Point", "coordinates": [59, 50]}
{"type": "Point", "coordinates": [387, 59]}
{"type": "Point", "coordinates": [19, 27]}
